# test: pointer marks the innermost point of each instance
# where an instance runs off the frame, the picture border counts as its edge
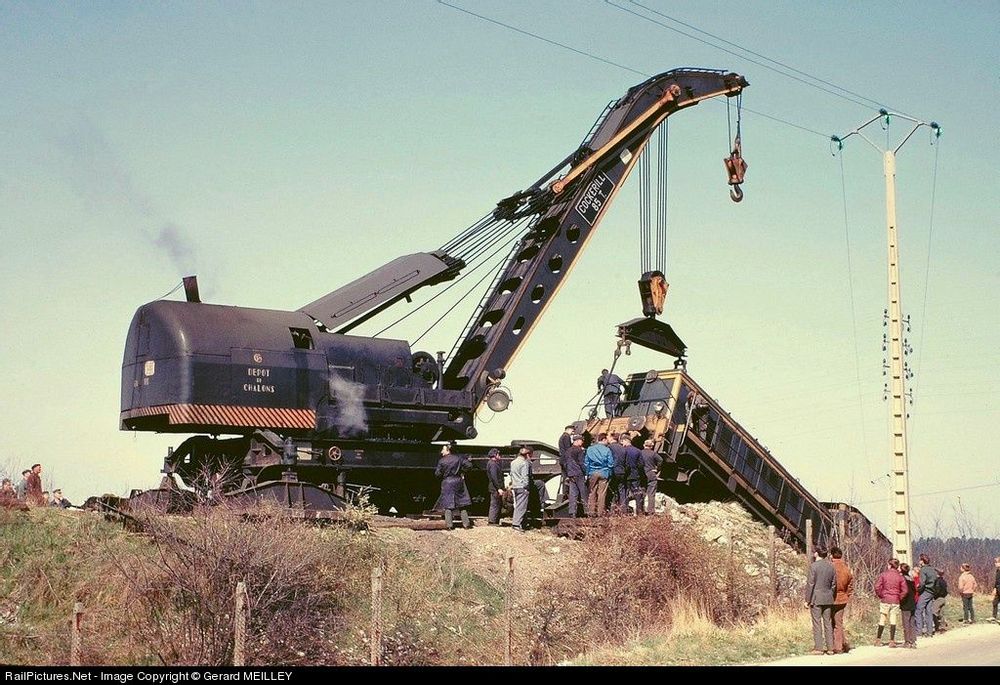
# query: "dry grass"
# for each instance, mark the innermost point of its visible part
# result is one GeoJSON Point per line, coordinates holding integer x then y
{"type": "Point", "coordinates": [645, 590]}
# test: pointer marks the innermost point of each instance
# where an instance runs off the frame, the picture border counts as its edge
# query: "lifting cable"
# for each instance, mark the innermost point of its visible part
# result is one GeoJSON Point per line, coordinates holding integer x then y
{"type": "Point", "coordinates": [854, 316]}
{"type": "Point", "coordinates": [462, 277]}
{"type": "Point", "coordinates": [489, 273]}
{"type": "Point", "coordinates": [927, 267]}
{"type": "Point", "coordinates": [644, 202]}
{"type": "Point", "coordinates": [661, 199]}
{"type": "Point", "coordinates": [653, 250]}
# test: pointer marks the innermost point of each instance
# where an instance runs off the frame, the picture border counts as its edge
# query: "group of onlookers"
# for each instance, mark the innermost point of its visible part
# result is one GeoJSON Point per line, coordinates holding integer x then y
{"type": "Point", "coordinates": [612, 474]}
{"type": "Point", "coordinates": [614, 468]}
{"type": "Point", "coordinates": [911, 598]}
{"type": "Point", "coordinates": [451, 469]}
{"type": "Point", "coordinates": [28, 491]}
{"type": "Point", "coordinates": [828, 589]}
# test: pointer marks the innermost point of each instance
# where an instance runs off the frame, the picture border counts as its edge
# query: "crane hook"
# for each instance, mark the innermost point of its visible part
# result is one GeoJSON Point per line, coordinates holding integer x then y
{"type": "Point", "coordinates": [736, 168]}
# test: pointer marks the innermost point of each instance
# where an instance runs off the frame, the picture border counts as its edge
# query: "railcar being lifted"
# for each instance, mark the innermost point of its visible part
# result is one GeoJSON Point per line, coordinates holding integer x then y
{"type": "Point", "coordinates": [708, 455]}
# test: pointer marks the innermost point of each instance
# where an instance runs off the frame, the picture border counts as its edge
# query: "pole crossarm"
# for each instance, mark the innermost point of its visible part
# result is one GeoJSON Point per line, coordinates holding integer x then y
{"type": "Point", "coordinates": [887, 115]}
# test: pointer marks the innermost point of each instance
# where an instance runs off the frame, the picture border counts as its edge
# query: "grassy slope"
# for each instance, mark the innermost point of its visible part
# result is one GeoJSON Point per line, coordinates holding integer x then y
{"type": "Point", "coordinates": [439, 606]}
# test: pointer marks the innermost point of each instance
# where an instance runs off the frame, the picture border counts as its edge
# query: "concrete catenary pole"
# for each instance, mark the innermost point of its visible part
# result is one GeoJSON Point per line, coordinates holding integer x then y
{"type": "Point", "coordinates": [899, 501]}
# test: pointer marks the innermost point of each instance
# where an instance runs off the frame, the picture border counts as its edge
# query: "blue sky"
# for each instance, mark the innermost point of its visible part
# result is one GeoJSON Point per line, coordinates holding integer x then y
{"type": "Point", "coordinates": [281, 150]}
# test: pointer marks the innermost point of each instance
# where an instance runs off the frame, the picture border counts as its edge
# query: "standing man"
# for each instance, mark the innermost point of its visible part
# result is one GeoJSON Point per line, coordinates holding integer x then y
{"type": "Point", "coordinates": [651, 462]}
{"type": "Point", "coordinates": [540, 492]}
{"type": "Point", "coordinates": [8, 498]}
{"type": "Point", "coordinates": [940, 595]}
{"type": "Point", "coordinates": [996, 588]}
{"type": "Point", "coordinates": [633, 476]}
{"type": "Point", "coordinates": [967, 586]}
{"type": "Point", "coordinates": [618, 485]}
{"type": "Point", "coordinates": [576, 473]}
{"type": "Point", "coordinates": [33, 487]}
{"type": "Point", "coordinates": [890, 588]}
{"type": "Point", "coordinates": [925, 605]}
{"type": "Point", "coordinates": [494, 474]}
{"type": "Point", "coordinates": [821, 590]}
{"type": "Point", "coordinates": [907, 605]}
{"type": "Point", "coordinates": [22, 485]}
{"type": "Point", "coordinates": [610, 386]}
{"type": "Point", "coordinates": [565, 443]}
{"type": "Point", "coordinates": [845, 588]}
{"type": "Point", "coordinates": [520, 481]}
{"type": "Point", "coordinates": [598, 461]}
{"type": "Point", "coordinates": [454, 494]}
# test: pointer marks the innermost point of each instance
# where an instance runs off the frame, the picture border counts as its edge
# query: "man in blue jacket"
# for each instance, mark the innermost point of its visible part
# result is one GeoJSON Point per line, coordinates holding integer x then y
{"type": "Point", "coordinates": [598, 461]}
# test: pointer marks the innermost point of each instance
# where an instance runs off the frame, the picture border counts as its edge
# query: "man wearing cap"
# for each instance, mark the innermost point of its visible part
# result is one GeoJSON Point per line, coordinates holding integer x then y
{"type": "Point", "coordinates": [576, 475]}
{"type": "Point", "coordinates": [599, 462]}
{"type": "Point", "coordinates": [59, 501]}
{"type": "Point", "coordinates": [610, 386]}
{"type": "Point", "coordinates": [565, 443]}
{"type": "Point", "coordinates": [22, 486]}
{"type": "Point", "coordinates": [618, 484]}
{"type": "Point", "coordinates": [451, 469]}
{"type": "Point", "coordinates": [33, 487]}
{"type": "Point", "coordinates": [494, 474]}
{"type": "Point", "coordinates": [520, 481]}
{"type": "Point", "coordinates": [633, 476]}
{"type": "Point", "coordinates": [651, 462]}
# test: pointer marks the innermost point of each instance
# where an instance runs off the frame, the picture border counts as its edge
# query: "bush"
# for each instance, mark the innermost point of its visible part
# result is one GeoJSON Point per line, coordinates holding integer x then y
{"type": "Point", "coordinates": [179, 600]}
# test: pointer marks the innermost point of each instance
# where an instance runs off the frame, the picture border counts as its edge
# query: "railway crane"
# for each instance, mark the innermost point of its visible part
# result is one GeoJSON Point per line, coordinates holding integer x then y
{"type": "Point", "coordinates": [310, 408]}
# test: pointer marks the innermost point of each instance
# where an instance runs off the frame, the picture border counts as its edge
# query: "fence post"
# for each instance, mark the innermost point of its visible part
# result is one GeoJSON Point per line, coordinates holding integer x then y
{"type": "Point", "coordinates": [508, 652]}
{"type": "Point", "coordinates": [376, 630]}
{"type": "Point", "coordinates": [809, 542]}
{"type": "Point", "coordinates": [240, 626]}
{"type": "Point", "coordinates": [774, 562]}
{"type": "Point", "coordinates": [75, 637]}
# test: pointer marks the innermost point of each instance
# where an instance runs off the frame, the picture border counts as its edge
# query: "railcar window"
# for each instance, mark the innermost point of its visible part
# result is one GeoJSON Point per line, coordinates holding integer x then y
{"type": "Point", "coordinates": [302, 338]}
{"type": "Point", "coordinates": [724, 445]}
{"type": "Point", "coordinates": [770, 484]}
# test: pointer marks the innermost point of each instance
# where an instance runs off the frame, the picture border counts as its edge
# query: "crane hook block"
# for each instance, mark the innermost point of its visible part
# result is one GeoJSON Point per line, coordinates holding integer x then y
{"type": "Point", "coordinates": [736, 169]}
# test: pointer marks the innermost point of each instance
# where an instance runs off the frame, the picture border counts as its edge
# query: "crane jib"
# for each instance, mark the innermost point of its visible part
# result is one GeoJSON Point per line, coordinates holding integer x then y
{"type": "Point", "coordinates": [564, 214]}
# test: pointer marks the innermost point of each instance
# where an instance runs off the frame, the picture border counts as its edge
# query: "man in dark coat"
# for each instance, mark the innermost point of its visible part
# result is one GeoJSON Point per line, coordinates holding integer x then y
{"type": "Point", "coordinates": [618, 484]}
{"type": "Point", "coordinates": [454, 495]}
{"type": "Point", "coordinates": [33, 487]}
{"type": "Point", "coordinates": [651, 462]}
{"type": "Point", "coordinates": [565, 443]}
{"type": "Point", "coordinates": [821, 589]}
{"type": "Point", "coordinates": [633, 476]}
{"type": "Point", "coordinates": [494, 473]}
{"type": "Point", "coordinates": [996, 589]}
{"type": "Point", "coordinates": [576, 474]}
{"type": "Point", "coordinates": [610, 386]}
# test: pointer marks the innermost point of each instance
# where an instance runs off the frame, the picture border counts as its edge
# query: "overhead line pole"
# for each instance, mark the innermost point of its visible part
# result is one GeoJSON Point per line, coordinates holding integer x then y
{"type": "Point", "coordinates": [900, 494]}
